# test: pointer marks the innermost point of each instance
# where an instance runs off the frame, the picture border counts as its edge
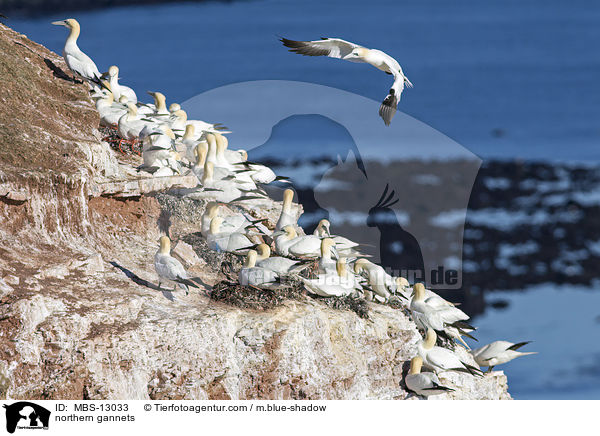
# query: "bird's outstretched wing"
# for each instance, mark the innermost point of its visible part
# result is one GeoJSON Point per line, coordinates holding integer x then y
{"type": "Point", "coordinates": [331, 47]}
{"type": "Point", "coordinates": [388, 107]}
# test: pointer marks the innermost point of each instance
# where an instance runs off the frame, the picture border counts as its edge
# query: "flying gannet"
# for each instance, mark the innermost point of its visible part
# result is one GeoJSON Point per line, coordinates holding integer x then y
{"type": "Point", "coordinates": [423, 383]}
{"type": "Point", "coordinates": [498, 352]}
{"type": "Point", "coordinates": [340, 49]}
{"type": "Point", "coordinates": [76, 60]}
{"type": "Point", "coordinates": [170, 269]}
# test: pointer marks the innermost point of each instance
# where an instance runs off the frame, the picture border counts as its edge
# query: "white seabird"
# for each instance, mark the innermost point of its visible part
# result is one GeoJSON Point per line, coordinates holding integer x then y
{"type": "Point", "coordinates": [233, 242]}
{"type": "Point", "coordinates": [440, 315]}
{"type": "Point", "coordinates": [423, 383]}
{"type": "Point", "coordinates": [441, 359]}
{"type": "Point", "coordinates": [281, 265]}
{"type": "Point", "coordinates": [327, 265]}
{"type": "Point", "coordinates": [378, 279]}
{"type": "Point", "coordinates": [340, 49]}
{"type": "Point", "coordinates": [80, 63]}
{"type": "Point", "coordinates": [117, 89]}
{"type": "Point", "coordinates": [342, 245]}
{"type": "Point", "coordinates": [252, 275]}
{"type": "Point", "coordinates": [338, 284]}
{"type": "Point", "coordinates": [286, 218]}
{"type": "Point", "coordinates": [288, 243]}
{"type": "Point", "coordinates": [498, 352]}
{"type": "Point", "coordinates": [170, 269]}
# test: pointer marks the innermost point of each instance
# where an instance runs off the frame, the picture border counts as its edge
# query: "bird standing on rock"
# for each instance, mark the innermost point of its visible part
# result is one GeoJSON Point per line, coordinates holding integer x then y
{"type": "Point", "coordinates": [423, 383]}
{"type": "Point", "coordinates": [76, 60]}
{"type": "Point", "coordinates": [170, 269]}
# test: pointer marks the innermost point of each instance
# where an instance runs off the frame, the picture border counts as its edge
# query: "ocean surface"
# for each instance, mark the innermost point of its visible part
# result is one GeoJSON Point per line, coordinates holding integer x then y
{"type": "Point", "coordinates": [502, 79]}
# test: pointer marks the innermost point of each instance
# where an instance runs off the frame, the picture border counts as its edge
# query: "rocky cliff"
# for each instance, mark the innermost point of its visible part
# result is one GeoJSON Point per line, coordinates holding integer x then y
{"type": "Point", "coordinates": [80, 314]}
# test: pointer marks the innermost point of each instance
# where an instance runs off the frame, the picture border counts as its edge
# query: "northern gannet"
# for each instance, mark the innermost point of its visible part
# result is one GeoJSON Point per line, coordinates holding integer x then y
{"type": "Point", "coordinates": [198, 166]}
{"type": "Point", "coordinates": [340, 49]}
{"type": "Point", "coordinates": [190, 143]}
{"type": "Point", "coordinates": [281, 265]}
{"type": "Point", "coordinates": [157, 151]}
{"type": "Point", "coordinates": [170, 269]}
{"type": "Point", "coordinates": [117, 89]}
{"type": "Point", "coordinates": [378, 279]}
{"type": "Point", "coordinates": [233, 242]}
{"type": "Point", "coordinates": [440, 315]}
{"type": "Point", "coordinates": [423, 383]}
{"type": "Point", "coordinates": [288, 243]}
{"type": "Point", "coordinates": [252, 275]}
{"type": "Point", "coordinates": [233, 156]}
{"type": "Point", "coordinates": [342, 245]}
{"type": "Point", "coordinates": [338, 284]}
{"type": "Point", "coordinates": [109, 111]}
{"type": "Point", "coordinates": [327, 265]}
{"type": "Point", "coordinates": [230, 223]}
{"type": "Point", "coordinates": [130, 125]}
{"type": "Point", "coordinates": [441, 359]}
{"type": "Point", "coordinates": [286, 218]}
{"type": "Point", "coordinates": [498, 352]}
{"type": "Point", "coordinates": [226, 190]}
{"type": "Point", "coordinates": [76, 60]}
{"type": "Point", "coordinates": [157, 111]}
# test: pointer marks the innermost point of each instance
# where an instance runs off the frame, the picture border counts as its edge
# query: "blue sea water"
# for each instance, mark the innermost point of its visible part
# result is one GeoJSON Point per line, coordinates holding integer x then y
{"type": "Point", "coordinates": [504, 78]}
{"type": "Point", "coordinates": [508, 79]}
{"type": "Point", "coordinates": [563, 323]}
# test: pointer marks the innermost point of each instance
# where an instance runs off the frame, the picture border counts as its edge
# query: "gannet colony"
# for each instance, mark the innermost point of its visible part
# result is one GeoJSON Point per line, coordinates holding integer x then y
{"type": "Point", "coordinates": [171, 144]}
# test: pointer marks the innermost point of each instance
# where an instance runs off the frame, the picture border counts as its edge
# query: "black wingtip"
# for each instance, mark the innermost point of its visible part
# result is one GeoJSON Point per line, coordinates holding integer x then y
{"type": "Point", "coordinates": [518, 345]}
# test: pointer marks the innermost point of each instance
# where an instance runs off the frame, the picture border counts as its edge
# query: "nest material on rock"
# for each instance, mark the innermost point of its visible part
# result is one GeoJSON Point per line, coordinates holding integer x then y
{"type": "Point", "coordinates": [111, 135]}
{"type": "Point", "coordinates": [250, 297]}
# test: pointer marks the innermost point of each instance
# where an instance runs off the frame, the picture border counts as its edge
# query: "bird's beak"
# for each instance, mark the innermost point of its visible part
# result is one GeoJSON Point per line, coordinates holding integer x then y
{"type": "Point", "coordinates": [278, 233]}
{"type": "Point", "coordinates": [150, 93]}
{"type": "Point", "coordinates": [60, 23]}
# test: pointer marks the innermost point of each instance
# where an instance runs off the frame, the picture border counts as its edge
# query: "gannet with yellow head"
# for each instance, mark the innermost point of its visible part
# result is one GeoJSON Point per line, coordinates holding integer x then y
{"type": "Point", "coordinates": [170, 269]}
{"type": "Point", "coordinates": [288, 243]}
{"type": "Point", "coordinates": [434, 312]}
{"type": "Point", "coordinates": [349, 51]}
{"type": "Point", "coordinates": [425, 384]}
{"type": "Point", "coordinates": [287, 217]}
{"type": "Point", "coordinates": [441, 359]}
{"type": "Point", "coordinates": [499, 352]}
{"type": "Point", "coordinates": [117, 89]}
{"type": "Point", "coordinates": [252, 275]}
{"type": "Point", "coordinates": [77, 61]}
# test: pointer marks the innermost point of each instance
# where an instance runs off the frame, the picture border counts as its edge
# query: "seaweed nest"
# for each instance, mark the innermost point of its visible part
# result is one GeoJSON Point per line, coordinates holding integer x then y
{"type": "Point", "coordinates": [250, 297]}
{"type": "Point", "coordinates": [357, 305]}
{"type": "Point", "coordinates": [111, 135]}
{"type": "Point", "coordinates": [216, 260]}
